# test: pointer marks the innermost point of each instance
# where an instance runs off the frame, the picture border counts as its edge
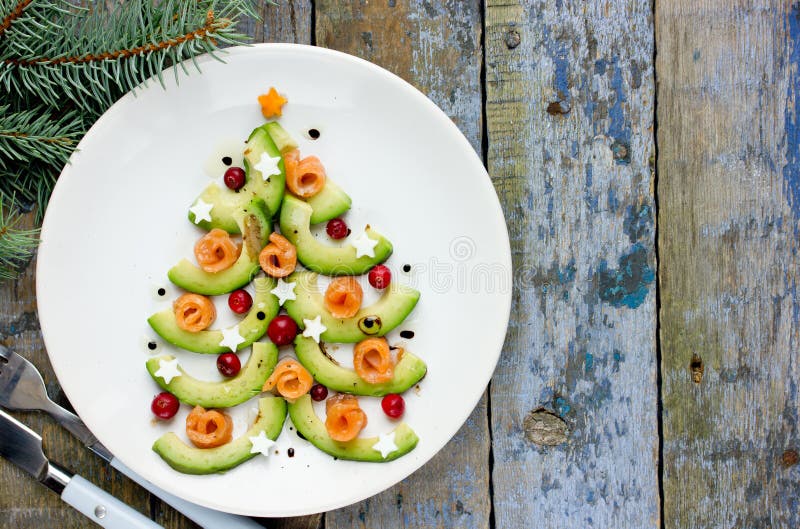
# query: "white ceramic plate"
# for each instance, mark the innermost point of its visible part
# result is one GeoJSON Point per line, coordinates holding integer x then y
{"type": "Point", "coordinates": [117, 222]}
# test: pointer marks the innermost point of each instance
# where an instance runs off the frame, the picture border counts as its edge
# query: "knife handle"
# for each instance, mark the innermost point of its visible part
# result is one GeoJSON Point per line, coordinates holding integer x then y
{"type": "Point", "coordinates": [202, 516]}
{"type": "Point", "coordinates": [103, 508]}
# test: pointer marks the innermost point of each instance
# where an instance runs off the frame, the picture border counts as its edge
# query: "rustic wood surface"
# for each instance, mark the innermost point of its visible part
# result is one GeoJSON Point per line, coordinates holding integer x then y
{"type": "Point", "coordinates": [560, 99]}
{"type": "Point", "coordinates": [729, 193]}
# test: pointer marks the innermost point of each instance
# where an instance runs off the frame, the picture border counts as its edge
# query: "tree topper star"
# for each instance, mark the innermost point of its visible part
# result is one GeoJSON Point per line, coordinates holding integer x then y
{"type": "Point", "coordinates": [284, 291]}
{"type": "Point", "coordinates": [201, 211]}
{"type": "Point", "coordinates": [385, 444]}
{"type": "Point", "coordinates": [364, 245]}
{"type": "Point", "coordinates": [231, 338]}
{"type": "Point", "coordinates": [314, 328]}
{"type": "Point", "coordinates": [168, 369]}
{"type": "Point", "coordinates": [268, 165]}
{"type": "Point", "coordinates": [261, 444]}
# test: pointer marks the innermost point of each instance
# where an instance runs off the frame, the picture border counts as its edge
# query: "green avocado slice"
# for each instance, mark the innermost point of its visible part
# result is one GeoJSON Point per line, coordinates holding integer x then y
{"type": "Point", "coordinates": [376, 320]}
{"type": "Point", "coordinates": [360, 449]}
{"type": "Point", "coordinates": [190, 460]}
{"type": "Point", "coordinates": [251, 328]}
{"type": "Point", "coordinates": [331, 201]}
{"type": "Point", "coordinates": [295, 220]}
{"type": "Point", "coordinates": [408, 371]}
{"type": "Point", "coordinates": [231, 392]}
{"type": "Point", "coordinates": [256, 227]}
{"type": "Point", "coordinates": [226, 201]}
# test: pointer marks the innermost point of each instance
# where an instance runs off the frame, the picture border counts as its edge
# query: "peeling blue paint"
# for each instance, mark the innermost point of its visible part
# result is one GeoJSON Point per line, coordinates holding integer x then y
{"type": "Point", "coordinates": [567, 274]}
{"type": "Point", "coordinates": [696, 55]}
{"type": "Point", "coordinates": [590, 199]}
{"type": "Point", "coordinates": [600, 66]}
{"type": "Point", "coordinates": [627, 285]}
{"type": "Point", "coordinates": [638, 222]}
{"type": "Point", "coordinates": [588, 361]}
{"type": "Point", "coordinates": [618, 128]}
{"type": "Point", "coordinates": [612, 200]}
{"type": "Point", "coordinates": [561, 406]}
{"type": "Point", "coordinates": [791, 171]}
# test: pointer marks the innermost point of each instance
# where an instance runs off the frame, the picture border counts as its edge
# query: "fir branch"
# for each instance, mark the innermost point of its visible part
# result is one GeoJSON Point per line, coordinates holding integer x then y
{"type": "Point", "coordinates": [16, 245]}
{"type": "Point", "coordinates": [13, 15]}
{"type": "Point", "coordinates": [36, 134]}
{"type": "Point", "coordinates": [28, 186]}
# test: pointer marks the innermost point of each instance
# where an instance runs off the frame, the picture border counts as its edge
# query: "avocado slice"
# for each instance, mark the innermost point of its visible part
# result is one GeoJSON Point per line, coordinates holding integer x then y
{"type": "Point", "coordinates": [231, 392]}
{"type": "Point", "coordinates": [190, 460]}
{"type": "Point", "coordinates": [376, 320]}
{"type": "Point", "coordinates": [255, 225]}
{"type": "Point", "coordinates": [359, 449]}
{"type": "Point", "coordinates": [251, 328]}
{"type": "Point", "coordinates": [328, 260]}
{"type": "Point", "coordinates": [226, 201]}
{"type": "Point", "coordinates": [408, 371]}
{"type": "Point", "coordinates": [331, 201]}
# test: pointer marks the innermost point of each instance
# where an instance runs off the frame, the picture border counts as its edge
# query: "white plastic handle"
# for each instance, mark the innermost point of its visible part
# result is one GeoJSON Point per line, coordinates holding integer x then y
{"type": "Point", "coordinates": [103, 508]}
{"type": "Point", "coordinates": [202, 516]}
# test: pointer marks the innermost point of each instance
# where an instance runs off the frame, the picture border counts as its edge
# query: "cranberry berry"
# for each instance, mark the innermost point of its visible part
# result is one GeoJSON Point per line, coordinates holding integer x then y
{"type": "Point", "coordinates": [282, 330]}
{"type": "Point", "coordinates": [319, 392]}
{"type": "Point", "coordinates": [240, 301]}
{"type": "Point", "coordinates": [337, 229]}
{"type": "Point", "coordinates": [165, 405]}
{"type": "Point", "coordinates": [228, 364]}
{"type": "Point", "coordinates": [393, 405]}
{"type": "Point", "coordinates": [234, 178]}
{"type": "Point", "coordinates": [380, 277]}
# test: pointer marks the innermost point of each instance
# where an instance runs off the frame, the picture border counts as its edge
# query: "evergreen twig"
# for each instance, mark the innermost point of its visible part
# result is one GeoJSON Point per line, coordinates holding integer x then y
{"type": "Point", "coordinates": [36, 134]}
{"type": "Point", "coordinates": [16, 245]}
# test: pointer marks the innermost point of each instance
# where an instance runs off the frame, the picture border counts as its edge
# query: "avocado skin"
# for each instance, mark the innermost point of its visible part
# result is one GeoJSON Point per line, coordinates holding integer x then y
{"type": "Point", "coordinates": [408, 371]}
{"type": "Point", "coordinates": [295, 219]}
{"type": "Point", "coordinates": [392, 308]}
{"type": "Point", "coordinates": [190, 460]}
{"type": "Point", "coordinates": [190, 277]}
{"type": "Point", "coordinates": [225, 394]}
{"type": "Point", "coordinates": [207, 342]}
{"type": "Point", "coordinates": [359, 449]}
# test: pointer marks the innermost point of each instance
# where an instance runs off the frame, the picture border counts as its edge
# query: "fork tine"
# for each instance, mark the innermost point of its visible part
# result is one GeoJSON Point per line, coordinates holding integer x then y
{"type": "Point", "coordinates": [5, 353]}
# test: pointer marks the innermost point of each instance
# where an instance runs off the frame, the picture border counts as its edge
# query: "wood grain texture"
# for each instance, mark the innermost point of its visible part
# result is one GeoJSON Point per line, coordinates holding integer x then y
{"type": "Point", "coordinates": [570, 113]}
{"type": "Point", "coordinates": [436, 46]}
{"type": "Point", "coordinates": [729, 191]}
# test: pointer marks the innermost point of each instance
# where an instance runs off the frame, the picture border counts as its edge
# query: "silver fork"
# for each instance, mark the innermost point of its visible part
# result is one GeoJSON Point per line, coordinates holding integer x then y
{"type": "Point", "coordinates": [22, 388]}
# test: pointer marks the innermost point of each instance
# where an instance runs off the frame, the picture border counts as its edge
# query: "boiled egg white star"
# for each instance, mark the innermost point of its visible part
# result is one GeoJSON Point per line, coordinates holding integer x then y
{"type": "Point", "coordinates": [314, 328]}
{"type": "Point", "coordinates": [385, 444]}
{"type": "Point", "coordinates": [201, 211]}
{"type": "Point", "coordinates": [268, 165]}
{"type": "Point", "coordinates": [168, 369]}
{"type": "Point", "coordinates": [284, 291]}
{"type": "Point", "coordinates": [261, 444]}
{"type": "Point", "coordinates": [364, 245]}
{"type": "Point", "coordinates": [231, 338]}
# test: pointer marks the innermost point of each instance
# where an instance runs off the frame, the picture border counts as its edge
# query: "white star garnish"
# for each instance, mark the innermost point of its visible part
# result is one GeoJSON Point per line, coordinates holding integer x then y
{"type": "Point", "coordinates": [284, 291]}
{"type": "Point", "coordinates": [268, 165]}
{"type": "Point", "coordinates": [314, 328]}
{"type": "Point", "coordinates": [364, 245]}
{"type": "Point", "coordinates": [385, 444]}
{"type": "Point", "coordinates": [168, 369]}
{"type": "Point", "coordinates": [261, 444]}
{"type": "Point", "coordinates": [231, 338]}
{"type": "Point", "coordinates": [202, 211]}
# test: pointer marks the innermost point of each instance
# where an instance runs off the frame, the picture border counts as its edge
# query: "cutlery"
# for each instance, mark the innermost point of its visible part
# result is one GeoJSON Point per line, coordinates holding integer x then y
{"type": "Point", "coordinates": [22, 388]}
{"type": "Point", "coordinates": [23, 447]}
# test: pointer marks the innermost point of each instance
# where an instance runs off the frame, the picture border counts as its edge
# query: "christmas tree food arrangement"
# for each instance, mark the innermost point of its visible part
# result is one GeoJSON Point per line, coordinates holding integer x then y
{"type": "Point", "coordinates": [240, 247]}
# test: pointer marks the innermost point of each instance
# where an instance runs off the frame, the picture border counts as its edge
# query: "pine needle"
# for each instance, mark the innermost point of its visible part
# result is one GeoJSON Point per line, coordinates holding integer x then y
{"type": "Point", "coordinates": [16, 245]}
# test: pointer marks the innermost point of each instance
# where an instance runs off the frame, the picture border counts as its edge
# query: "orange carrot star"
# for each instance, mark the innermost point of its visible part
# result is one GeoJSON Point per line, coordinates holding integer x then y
{"type": "Point", "coordinates": [271, 103]}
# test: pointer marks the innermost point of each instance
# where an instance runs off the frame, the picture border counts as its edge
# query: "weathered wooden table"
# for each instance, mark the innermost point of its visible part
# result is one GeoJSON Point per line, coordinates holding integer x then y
{"type": "Point", "coordinates": [676, 384]}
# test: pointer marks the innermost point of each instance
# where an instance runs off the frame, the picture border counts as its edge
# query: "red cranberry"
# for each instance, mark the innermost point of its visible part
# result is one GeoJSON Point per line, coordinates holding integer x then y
{"type": "Point", "coordinates": [337, 229]}
{"type": "Point", "coordinates": [228, 364]}
{"type": "Point", "coordinates": [234, 178]}
{"type": "Point", "coordinates": [380, 277]}
{"type": "Point", "coordinates": [282, 330]}
{"type": "Point", "coordinates": [319, 392]}
{"type": "Point", "coordinates": [393, 405]}
{"type": "Point", "coordinates": [240, 301]}
{"type": "Point", "coordinates": [165, 405]}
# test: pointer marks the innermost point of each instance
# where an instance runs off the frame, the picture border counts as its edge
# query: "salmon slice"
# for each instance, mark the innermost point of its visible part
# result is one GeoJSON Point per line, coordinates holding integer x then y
{"type": "Point", "coordinates": [279, 257]}
{"type": "Point", "coordinates": [343, 297]}
{"type": "Point", "coordinates": [216, 251]}
{"type": "Point", "coordinates": [290, 379]}
{"type": "Point", "coordinates": [345, 418]}
{"type": "Point", "coordinates": [194, 312]}
{"type": "Point", "coordinates": [208, 428]}
{"type": "Point", "coordinates": [304, 178]}
{"type": "Point", "coordinates": [372, 360]}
